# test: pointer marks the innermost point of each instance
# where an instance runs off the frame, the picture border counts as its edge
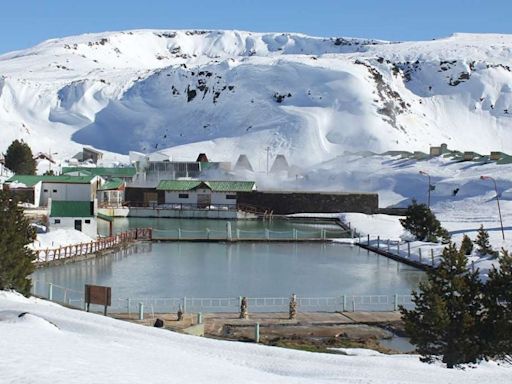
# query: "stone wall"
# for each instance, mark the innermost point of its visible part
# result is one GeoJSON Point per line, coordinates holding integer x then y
{"type": "Point", "coordinates": [283, 203]}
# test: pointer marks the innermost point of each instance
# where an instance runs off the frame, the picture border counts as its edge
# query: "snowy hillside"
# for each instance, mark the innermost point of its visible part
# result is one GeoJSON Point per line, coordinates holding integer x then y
{"type": "Point", "coordinates": [69, 346]}
{"type": "Point", "coordinates": [232, 92]}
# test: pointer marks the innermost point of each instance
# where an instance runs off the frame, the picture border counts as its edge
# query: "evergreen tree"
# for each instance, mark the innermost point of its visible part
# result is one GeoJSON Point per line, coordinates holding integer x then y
{"type": "Point", "coordinates": [497, 329]}
{"type": "Point", "coordinates": [482, 240]}
{"type": "Point", "coordinates": [446, 320]}
{"type": "Point", "coordinates": [19, 159]}
{"type": "Point", "coordinates": [16, 260]}
{"type": "Point", "coordinates": [422, 223]}
{"type": "Point", "coordinates": [466, 246]}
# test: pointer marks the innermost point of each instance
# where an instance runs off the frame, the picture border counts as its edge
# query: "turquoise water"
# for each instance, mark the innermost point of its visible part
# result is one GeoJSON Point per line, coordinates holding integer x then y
{"type": "Point", "coordinates": [206, 270]}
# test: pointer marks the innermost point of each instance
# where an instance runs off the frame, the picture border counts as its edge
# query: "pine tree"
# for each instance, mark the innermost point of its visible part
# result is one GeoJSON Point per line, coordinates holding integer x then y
{"type": "Point", "coordinates": [466, 246]}
{"type": "Point", "coordinates": [19, 159]}
{"type": "Point", "coordinates": [482, 240]}
{"type": "Point", "coordinates": [446, 320]}
{"type": "Point", "coordinates": [422, 223]}
{"type": "Point", "coordinates": [497, 329]}
{"type": "Point", "coordinates": [16, 260]}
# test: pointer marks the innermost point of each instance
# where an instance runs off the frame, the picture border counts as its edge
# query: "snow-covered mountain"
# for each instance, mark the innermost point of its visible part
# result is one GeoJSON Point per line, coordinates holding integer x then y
{"type": "Point", "coordinates": [232, 92]}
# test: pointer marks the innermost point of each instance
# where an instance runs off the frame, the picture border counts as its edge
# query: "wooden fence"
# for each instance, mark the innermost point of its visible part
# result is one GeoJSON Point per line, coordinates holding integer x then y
{"type": "Point", "coordinates": [103, 243]}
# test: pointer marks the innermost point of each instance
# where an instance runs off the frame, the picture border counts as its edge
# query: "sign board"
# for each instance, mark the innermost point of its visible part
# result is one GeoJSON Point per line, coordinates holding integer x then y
{"type": "Point", "coordinates": [97, 294]}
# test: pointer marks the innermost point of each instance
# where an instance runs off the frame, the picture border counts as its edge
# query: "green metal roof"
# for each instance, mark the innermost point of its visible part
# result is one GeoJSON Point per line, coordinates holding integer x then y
{"type": "Point", "coordinates": [215, 186]}
{"type": "Point", "coordinates": [102, 171]}
{"type": "Point", "coordinates": [71, 209]}
{"type": "Point", "coordinates": [31, 180]}
{"type": "Point", "coordinates": [178, 185]}
{"type": "Point", "coordinates": [112, 185]}
{"type": "Point", "coordinates": [231, 186]}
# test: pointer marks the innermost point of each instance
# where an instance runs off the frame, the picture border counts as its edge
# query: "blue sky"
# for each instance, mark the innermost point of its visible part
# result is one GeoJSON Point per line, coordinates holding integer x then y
{"type": "Point", "coordinates": [24, 23]}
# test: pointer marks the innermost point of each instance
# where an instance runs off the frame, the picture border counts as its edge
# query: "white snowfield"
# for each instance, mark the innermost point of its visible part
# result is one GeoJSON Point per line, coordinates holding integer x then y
{"type": "Point", "coordinates": [232, 92]}
{"type": "Point", "coordinates": [54, 345]}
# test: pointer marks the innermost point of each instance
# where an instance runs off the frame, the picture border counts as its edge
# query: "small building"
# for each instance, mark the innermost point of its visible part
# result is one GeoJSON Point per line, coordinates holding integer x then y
{"type": "Point", "coordinates": [91, 154]}
{"type": "Point", "coordinates": [469, 156]}
{"type": "Point", "coordinates": [111, 193]}
{"type": "Point", "coordinates": [182, 194]}
{"type": "Point", "coordinates": [438, 151]}
{"type": "Point", "coordinates": [496, 156]}
{"type": "Point", "coordinates": [78, 215]}
{"type": "Point", "coordinates": [38, 189]}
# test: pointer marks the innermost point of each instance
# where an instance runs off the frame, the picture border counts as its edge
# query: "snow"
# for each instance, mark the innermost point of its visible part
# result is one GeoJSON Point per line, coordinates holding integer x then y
{"type": "Point", "coordinates": [52, 344]}
{"type": "Point", "coordinates": [345, 94]}
{"type": "Point", "coordinates": [59, 238]}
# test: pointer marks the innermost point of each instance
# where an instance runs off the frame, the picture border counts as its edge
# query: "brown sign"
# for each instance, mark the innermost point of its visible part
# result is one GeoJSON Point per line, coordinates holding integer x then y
{"type": "Point", "coordinates": [97, 294]}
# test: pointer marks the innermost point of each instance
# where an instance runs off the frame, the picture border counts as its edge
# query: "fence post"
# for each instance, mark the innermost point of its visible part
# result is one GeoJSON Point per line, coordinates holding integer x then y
{"type": "Point", "coordinates": [294, 234]}
{"type": "Point", "coordinates": [323, 234]}
{"type": "Point", "coordinates": [378, 242]}
{"type": "Point", "coordinates": [421, 257]}
{"type": "Point", "coordinates": [185, 304]}
{"type": "Point", "coordinates": [398, 248]}
{"type": "Point", "coordinates": [179, 233]}
{"type": "Point", "coordinates": [408, 250]}
{"type": "Point", "coordinates": [207, 234]}
{"type": "Point", "coordinates": [389, 247]}
{"type": "Point", "coordinates": [267, 234]}
{"type": "Point", "coordinates": [50, 291]}
{"type": "Point", "coordinates": [199, 318]}
{"type": "Point", "coordinates": [368, 239]}
{"type": "Point", "coordinates": [396, 302]}
{"type": "Point", "coordinates": [229, 234]}
{"type": "Point", "coordinates": [353, 305]}
{"type": "Point", "coordinates": [432, 255]}
{"type": "Point", "coordinates": [141, 311]}
{"type": "Point", "coordinates": [238, 234]}
{"type": "Point", "coordinates": [257, 333]}
{"type": "Point", "coordinates": [344, 298]}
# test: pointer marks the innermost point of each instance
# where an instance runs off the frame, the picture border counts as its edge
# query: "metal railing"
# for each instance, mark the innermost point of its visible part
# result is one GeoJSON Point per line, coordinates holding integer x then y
{"type": "Point", "coordinates": [341, 303]}
{"type": "Point", "coordinates": [239, 234]}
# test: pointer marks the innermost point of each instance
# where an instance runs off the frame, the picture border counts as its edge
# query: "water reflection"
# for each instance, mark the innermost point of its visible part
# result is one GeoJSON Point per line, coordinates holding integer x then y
{"type": "Point", "coordinates": [229, 270]}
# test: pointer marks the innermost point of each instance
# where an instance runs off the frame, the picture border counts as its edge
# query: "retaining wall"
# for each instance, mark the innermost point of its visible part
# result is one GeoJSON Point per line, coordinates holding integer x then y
{"type": "Point", "coordinates": [283, 203]}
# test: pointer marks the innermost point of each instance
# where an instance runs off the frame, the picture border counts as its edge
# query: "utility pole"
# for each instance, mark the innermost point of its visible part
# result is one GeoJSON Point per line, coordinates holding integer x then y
{"type": "Point", "coordinates": [497, 201]}
{"type": "Point", "coordinates": [268, 156]}
{"type": "Point", "coordinates": [429, 185]}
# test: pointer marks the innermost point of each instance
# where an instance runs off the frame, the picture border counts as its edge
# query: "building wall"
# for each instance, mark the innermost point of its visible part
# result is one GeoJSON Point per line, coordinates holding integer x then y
{"type": "Point", "coordinates": [90, 230]}
{"type": "Point", "coordinates": [63, 191]}
{"type": "Point", "coordinates": [217, 198]}
{"type": "Point", "coordinates": [283, 203]}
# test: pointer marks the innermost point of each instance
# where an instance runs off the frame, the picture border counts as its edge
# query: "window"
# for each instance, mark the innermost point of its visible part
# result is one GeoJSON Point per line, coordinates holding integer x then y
{"type": "Point", "coordinates": [230, 197]}
{"type": "Point", "coordinates": [45, 190]}
{"type": "Point", "coordinates": [87, 221]}
{"type": "Point", "coordinates": [54, 191]}
{"type": "Point", "coordinates": [183, 195]}
{"type": "Point", "coordinates": [56, 221]}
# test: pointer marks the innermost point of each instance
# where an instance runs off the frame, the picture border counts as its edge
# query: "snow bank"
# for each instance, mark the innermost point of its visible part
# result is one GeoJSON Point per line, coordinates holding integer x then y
{"type": "Point", "coordinates": [58, 345]}
{"type": "Point", "coordinates": [59, 238]}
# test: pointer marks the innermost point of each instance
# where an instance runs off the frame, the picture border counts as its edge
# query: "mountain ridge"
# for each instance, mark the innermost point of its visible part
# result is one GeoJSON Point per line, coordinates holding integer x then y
{"type": "Point", "coordinates": [232, 92]}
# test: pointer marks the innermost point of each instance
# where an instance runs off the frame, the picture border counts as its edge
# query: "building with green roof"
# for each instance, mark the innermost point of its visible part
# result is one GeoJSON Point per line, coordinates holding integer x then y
{"type": "Point", "coordinates": [38, 189]}
{"type": "Point", "coordinates": [78, 215]}
{"type": "Point", "coordinates": [124, 173]}
{"type": "Point", "coordinates": [203, 194]}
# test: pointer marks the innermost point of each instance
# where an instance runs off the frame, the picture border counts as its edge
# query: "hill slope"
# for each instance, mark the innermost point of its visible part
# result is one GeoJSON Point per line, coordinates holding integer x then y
{"type": "Point", "coordinates": [231, 92]}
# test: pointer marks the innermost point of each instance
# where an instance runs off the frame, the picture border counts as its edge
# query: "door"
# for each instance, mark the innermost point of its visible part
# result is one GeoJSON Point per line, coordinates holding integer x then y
{"type": "Point", "coordinates": [78, 225]}
{"type": "Point", "coordinates": [204, 200]}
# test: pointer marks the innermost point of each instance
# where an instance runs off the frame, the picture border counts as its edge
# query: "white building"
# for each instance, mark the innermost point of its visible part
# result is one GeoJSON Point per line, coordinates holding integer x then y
{"type": "Point", "coordinates": [183, 194]}
{"type": "Point", "coordinates": [37, 190]}
{"type": "Point", "coordinates": [78, 215]}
